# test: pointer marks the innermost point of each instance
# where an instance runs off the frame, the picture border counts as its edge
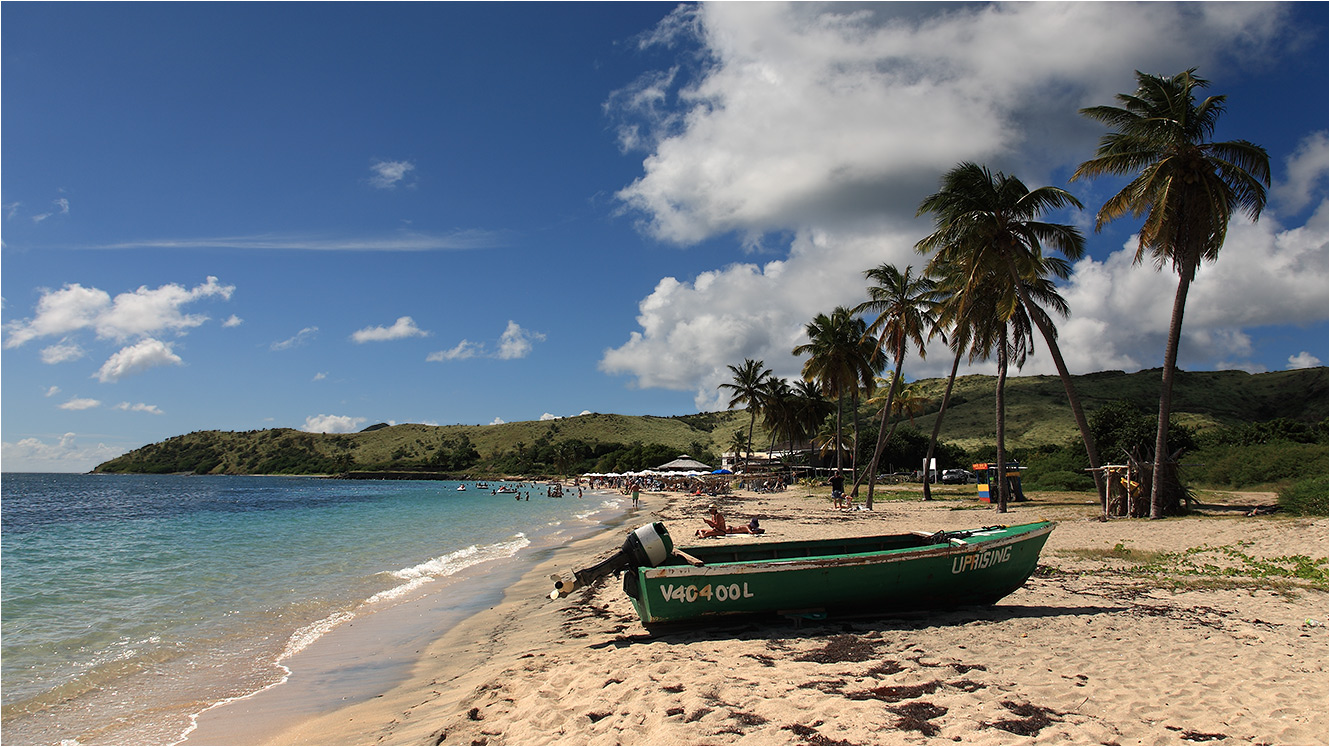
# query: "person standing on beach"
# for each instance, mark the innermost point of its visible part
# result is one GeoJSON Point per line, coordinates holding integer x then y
{"type": "Point", "coordinates": [837, 490]}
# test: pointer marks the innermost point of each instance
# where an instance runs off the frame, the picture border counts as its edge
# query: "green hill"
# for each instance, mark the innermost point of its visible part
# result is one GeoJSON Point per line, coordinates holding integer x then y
{"type": "Point", "coordinates": [1037, 415]}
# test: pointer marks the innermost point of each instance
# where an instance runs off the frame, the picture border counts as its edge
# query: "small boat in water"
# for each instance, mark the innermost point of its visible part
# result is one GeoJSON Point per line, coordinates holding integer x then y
{"type": "Point", "coordinates": [838, 576]}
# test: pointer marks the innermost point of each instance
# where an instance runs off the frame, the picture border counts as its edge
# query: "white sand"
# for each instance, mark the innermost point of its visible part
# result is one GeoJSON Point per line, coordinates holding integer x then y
{"type": "Point", "coordinates": [1085, 653]}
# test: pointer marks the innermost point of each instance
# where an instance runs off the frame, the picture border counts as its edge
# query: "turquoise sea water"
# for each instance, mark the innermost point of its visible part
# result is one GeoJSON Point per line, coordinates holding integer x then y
{"type": "Point", "coordinates": [131, 603]}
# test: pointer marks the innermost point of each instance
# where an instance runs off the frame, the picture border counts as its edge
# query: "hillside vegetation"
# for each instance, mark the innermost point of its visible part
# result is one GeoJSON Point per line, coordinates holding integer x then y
{"type": "Point", "coordinates": [1037, 416]}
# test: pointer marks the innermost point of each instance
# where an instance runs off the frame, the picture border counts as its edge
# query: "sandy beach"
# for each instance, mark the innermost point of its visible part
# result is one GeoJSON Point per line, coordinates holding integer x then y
{"type": "Point", "coordinates": [1131, 632]}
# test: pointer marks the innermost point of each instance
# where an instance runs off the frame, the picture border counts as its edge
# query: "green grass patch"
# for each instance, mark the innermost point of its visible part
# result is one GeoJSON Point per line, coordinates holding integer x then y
{"type": "Point", "coordinates": [1229, 566]}
{"type": "Point", "coordinates": [1117, 552]}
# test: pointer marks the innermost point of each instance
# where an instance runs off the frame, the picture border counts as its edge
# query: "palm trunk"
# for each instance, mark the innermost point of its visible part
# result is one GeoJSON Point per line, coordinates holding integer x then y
{"type": "Point", "coordinates": [752, 421]}
{"type": "Point", "coordinates": [1001, 425]}
{"type": "Point", "coordinates": [882, 435]}
{"type": "Point", "coordinates": [937, 423]}
{"type": "Point", "coordinates": [1158, 507]}
{"type": "Point", "coordinates": [1050, 337]}
{"type": "Point", "coordinates": [840, 407]}
{"type": "Point", "coordinates": [854, 408]}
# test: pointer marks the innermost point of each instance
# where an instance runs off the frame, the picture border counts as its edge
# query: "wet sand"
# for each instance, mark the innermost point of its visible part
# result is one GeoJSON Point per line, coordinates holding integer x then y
{"type": "Point", "coordinates": [1148, 643]}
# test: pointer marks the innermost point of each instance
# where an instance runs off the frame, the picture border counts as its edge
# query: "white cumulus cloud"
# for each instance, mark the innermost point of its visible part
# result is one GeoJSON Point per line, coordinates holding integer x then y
{"type": "Point", "coordinates": [404, 327]}
{"type": "Point", "coordinates": [80, 403]}
{"type": "Point", "coordinates": [332, 424]}
{"type": "Point", "coordinates": [1306, 174]}
{"type": "Point", "coordinates": [823, 126]}
{"type": "Point", "coordinates": [145, 311]}
{"type": "Point", "coordinates": [516, 342]}
{"type": "Point", "coordinates": [137, 358]}
{"type": "Point", "coordinates": [1303, 360]}
{"type": "Point", "coordinates": [65, 455]}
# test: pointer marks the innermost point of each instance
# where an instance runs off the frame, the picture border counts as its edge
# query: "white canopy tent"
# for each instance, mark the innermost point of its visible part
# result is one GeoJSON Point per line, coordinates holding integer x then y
{"type": "Point", "coordinates": [684, 463]}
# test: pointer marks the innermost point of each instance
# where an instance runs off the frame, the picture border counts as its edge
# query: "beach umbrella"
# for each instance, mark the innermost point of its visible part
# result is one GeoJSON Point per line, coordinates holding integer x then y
{"type": "Point", "coordinates": [722, 471]}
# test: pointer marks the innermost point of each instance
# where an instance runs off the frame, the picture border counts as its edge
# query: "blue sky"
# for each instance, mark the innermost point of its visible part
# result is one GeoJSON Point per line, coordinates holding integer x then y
{"type": "Point", "coordinates": [324, 216]}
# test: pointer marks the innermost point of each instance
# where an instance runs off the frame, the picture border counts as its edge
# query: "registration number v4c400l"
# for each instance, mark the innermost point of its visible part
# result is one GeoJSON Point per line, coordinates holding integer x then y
{"type": "Point", "coordinates": [718, 592]}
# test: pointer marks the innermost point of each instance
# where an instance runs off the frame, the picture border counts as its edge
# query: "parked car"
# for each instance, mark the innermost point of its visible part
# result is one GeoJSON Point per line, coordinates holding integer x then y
{"type": "Point", "coordinates": [956, 477]}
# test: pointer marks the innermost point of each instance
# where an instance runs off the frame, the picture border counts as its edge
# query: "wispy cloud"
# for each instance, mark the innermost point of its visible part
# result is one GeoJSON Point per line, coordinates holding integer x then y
{"type": "Point", "coordinates": [139, 407]}
{"type": "Point", "coordinates": [404, 327]}
{"type": "Point", "coordinates": [61, 352]}
{"type": "Point", "coordinates": [463, 350]}
{"type": "Point", "coordinates": [80, 403]}
{"type": "Point", "coordinates": [61, 208]}
{"type": "Point", "coordinates": [412, 241]}
{"type": "Point", "coordinates": [387, 174]}
{"type": "Point", "coordinates": [300, 338]}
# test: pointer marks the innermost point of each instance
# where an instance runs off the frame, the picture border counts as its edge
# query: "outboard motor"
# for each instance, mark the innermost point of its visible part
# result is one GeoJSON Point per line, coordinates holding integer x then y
{"type": "Point", "coordinates": [647, 545]}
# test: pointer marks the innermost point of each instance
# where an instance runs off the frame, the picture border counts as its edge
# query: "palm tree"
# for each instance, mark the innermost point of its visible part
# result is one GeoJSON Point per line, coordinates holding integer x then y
{"type": "Point", "coordinates": [838, 361]}
{"type": "Point", "coordinates": [1186, 187]}
{"type": "Point", "coordinates": [988, 320]}
{"type": "Point", "coordinates": [811, 410]}
{"type": "Point", "coordinates": [737, 442]}
{"type": "Point", "coordinates": [904, 305]}
{"type": "Point", "coordinates": [958, 313]}
{"type": "Point", "coordinates": [778, 409]}
{"type": "Point", "coordinates": [982, 218]}
{"type": "Point", "coordinates": [903, 402]}
{"type": "Point", "coordinates": [909, 402]}
{"type": "Point", "coordinates": [747, 387]}
{"type": "Point", "coordinates": [1012, 344]}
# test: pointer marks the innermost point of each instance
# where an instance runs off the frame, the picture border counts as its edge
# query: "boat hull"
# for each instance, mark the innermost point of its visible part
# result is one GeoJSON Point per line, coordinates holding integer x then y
{"type": "Point", "coordinates": [856, 575]}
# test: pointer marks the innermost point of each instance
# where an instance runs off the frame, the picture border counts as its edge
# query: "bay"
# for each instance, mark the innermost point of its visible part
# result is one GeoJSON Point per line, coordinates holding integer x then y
{"type": "Point", "coordinates": [131, 603]}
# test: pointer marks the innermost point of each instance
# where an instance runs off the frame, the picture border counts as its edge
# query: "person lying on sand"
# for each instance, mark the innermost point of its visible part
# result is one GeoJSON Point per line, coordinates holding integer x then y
{"type": "Point", "coordinates": [717, 526]}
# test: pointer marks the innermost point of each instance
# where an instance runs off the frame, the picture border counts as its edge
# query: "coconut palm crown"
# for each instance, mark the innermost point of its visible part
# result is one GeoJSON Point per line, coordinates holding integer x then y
{"type": "Point", "coordinates": [1186, 187]}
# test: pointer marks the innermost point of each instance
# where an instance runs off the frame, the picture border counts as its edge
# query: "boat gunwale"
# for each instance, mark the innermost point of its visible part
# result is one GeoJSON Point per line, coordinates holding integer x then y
{"type": "Point", "coordinates": [876, 557]}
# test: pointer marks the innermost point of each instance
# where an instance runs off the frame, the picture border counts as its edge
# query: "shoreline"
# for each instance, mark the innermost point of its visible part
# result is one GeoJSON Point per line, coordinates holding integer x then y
{"type": "Point", "coordinates": [380, 645]}
{"type": "Point", "coordinates": [1087, 652]}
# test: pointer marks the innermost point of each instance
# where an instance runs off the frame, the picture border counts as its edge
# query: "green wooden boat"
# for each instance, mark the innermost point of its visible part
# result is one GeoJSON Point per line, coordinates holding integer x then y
{"type": "Point", "coordinates": [835, 576]}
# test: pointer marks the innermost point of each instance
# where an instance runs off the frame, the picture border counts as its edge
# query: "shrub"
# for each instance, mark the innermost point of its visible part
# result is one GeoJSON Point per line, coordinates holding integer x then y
{"type": "Point", "coordinates": [1307, 497]}
{"type": "Point", "coordinates": [1060, 480]}
{"type": "Point", "coordinates": [1245, 466]}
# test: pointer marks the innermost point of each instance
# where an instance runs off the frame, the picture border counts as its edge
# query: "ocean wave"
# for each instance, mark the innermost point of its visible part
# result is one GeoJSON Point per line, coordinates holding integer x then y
{"type": "Point", "coordinates": [414, 577]}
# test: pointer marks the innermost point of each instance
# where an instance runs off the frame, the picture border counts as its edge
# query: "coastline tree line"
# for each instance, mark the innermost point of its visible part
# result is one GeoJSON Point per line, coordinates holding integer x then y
{"type": "Point", "coordinates": [987, 287]}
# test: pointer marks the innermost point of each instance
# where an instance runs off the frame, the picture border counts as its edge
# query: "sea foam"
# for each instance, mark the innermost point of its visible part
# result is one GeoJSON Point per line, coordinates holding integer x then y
{"type": "Point", "coordinates": [414, 577]}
